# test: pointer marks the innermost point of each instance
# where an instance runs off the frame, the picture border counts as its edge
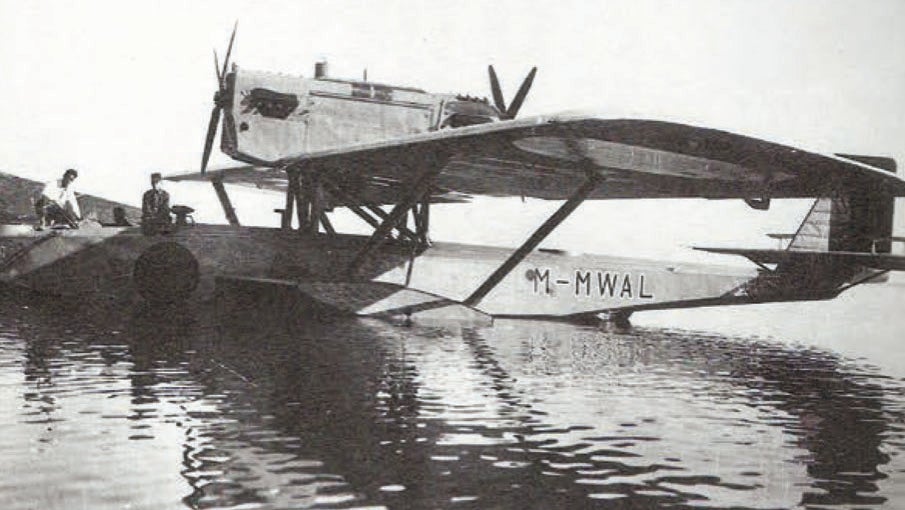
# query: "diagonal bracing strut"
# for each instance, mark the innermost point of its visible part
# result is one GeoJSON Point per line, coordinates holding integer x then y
{"type": "Point", "coordinates": [351, 203]}
{"type": "Point", "coordinates": [539, 235]}
{"type": "Point", "coordinates": [380, 213]}
{"type": "Point", "coordinates": [420, 185]}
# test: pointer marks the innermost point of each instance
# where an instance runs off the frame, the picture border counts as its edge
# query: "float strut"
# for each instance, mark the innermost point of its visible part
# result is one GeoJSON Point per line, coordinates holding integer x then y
{"type": "Point", "coordinates": [539, 235]}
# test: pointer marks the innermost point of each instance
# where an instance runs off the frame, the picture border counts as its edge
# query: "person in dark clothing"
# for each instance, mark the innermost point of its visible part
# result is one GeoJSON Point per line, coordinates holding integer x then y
{"type": "Point", "coordinates": [155, 207]}
{"type": "Point", "coordinates": [119, 218]}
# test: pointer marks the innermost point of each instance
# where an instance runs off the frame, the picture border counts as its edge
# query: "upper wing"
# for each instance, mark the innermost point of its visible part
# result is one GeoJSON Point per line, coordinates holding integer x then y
{"type": "Point", "coordinates": [549, 157]}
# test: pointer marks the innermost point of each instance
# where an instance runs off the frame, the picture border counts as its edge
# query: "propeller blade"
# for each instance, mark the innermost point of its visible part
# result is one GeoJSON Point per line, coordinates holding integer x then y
{"type": "Point", "coordinates": [209, 140]}
{"type": "Point", "coordinates": [217, 69]}
{"type": "Point", "coordinates": [495, 90]}
{"type": "Point", "coordinates": [520, 95]}
{"type": "Point", "coordinates": [229, 50]}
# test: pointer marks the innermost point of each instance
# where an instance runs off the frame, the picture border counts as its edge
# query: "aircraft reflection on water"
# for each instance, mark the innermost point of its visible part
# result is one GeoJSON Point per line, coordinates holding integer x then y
{"type": "Point", "coordinates": [359, 413]}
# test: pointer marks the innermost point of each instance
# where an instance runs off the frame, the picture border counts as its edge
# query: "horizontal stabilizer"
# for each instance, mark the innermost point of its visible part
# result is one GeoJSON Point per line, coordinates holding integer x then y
{"type": "Point", "coordinates": [883, 261]}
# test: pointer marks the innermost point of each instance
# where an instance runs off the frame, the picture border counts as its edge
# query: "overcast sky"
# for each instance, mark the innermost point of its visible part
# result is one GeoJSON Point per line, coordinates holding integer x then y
{"type": "Point", "coordinates": [120, 89]}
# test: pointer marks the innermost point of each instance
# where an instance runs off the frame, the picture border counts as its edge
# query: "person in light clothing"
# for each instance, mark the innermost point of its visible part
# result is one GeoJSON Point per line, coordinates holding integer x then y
{"type": "Point", "coordinates": [57, 203]}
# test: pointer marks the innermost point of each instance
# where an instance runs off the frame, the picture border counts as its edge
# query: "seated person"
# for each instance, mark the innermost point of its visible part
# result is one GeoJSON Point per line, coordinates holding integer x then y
{"type": "Point", "coordinates": [119, 218]}
{"type": "Point", "coordinates": [155, 207]}
{"type": "Point", "coordinates": [57, 203]}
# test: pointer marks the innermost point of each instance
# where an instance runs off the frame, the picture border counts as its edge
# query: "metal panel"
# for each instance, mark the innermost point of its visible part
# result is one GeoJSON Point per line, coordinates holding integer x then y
{"type": "Point", "coordinates": [274, 115]}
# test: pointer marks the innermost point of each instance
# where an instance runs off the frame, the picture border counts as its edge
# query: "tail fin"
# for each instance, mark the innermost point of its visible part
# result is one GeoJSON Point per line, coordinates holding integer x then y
{"type": "Point", "coordinates": [843, 241]}
{"type": "Point", "coordinates": [860, 220]}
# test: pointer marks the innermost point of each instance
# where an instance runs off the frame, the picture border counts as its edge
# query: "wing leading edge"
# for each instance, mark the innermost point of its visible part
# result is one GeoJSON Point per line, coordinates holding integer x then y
{"type": "Point", "coordinates": [549, 157]}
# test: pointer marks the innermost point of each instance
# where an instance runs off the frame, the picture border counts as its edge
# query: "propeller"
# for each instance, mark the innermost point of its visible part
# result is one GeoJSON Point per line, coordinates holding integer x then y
{"type": "Point", "coordinates": [500, 103]}
{"type": "Point", "coordinates": [218, 100]}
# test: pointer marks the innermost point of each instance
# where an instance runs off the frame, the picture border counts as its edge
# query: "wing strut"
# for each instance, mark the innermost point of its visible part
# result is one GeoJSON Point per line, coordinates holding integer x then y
{"type": "Point", "coordinates": [351, 203]}
{"type": "Point", "coordinates": [312, 202]}
{"type": "Point", "coordinates": [420, 186]}
{"type": "Point", "coordinates": [305, 194]}
{"type": "Point", "coordinates": [292, 191]}
{"type": "Point", "coordinates": [228, 209]}
{"type": "Point", "coordinates": [539, 235]}
{"type": "Point", "coordinates": [380, 213]}
{"type": "Point", "coordinates": [422, 219]}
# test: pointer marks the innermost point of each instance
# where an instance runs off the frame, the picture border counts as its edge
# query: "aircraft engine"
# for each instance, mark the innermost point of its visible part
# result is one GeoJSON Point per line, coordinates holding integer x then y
{"type": "Point", "coordinates": [468, 111]}
{"type": "Point", "coordinates": [167, 272]}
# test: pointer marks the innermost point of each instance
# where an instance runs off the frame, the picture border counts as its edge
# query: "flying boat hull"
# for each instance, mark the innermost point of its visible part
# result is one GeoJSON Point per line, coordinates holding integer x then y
{"type": "Point", "coordinates": [103, 264]}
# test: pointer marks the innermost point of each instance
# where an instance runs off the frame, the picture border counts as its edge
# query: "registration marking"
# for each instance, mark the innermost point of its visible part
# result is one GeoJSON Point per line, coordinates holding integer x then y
{"type": "Point", "coordinates": [592, 283]}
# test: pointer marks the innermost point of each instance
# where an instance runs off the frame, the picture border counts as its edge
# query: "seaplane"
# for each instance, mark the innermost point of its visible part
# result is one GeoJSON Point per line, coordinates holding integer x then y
{"type": "Point", "coordinates": [387, 153]}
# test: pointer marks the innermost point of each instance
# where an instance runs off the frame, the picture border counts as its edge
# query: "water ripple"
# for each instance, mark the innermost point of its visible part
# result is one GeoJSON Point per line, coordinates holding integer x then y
{"type": "Point", "coordinates": [156, 412]}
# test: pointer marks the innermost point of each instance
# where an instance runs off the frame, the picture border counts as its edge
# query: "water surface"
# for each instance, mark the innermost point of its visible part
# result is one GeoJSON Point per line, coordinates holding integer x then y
{"type": "Point", "coordinates": [257, 410]}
